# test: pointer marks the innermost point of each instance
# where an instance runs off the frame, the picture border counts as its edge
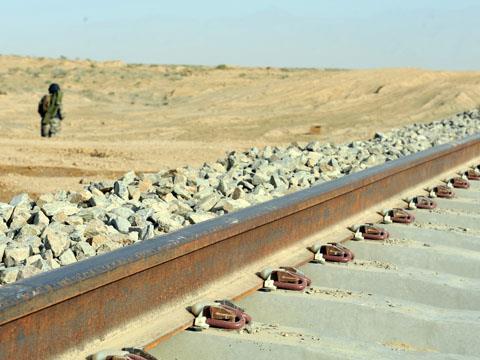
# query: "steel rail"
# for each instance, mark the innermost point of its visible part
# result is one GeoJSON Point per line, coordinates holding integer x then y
{"type": "Point", "coordinates": [56, 311]}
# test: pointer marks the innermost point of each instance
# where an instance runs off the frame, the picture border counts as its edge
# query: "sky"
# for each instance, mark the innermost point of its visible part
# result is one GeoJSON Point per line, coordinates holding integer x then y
{"type": "Point", "coordinates": [432, 34]}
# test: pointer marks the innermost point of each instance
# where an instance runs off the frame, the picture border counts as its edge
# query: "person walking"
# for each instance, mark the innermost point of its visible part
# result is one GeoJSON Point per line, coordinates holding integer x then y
{"type": "Point", "coordinates": [50, 109]}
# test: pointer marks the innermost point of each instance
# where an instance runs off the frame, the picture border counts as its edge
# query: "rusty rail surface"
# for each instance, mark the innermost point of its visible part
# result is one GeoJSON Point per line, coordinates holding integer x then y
{"type": "Point", "coordinates": [53, 312]}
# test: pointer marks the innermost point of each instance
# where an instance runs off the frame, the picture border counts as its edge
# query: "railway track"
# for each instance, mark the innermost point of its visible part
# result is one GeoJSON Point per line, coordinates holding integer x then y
{"type": "Point", "coordinates": [138, 295]}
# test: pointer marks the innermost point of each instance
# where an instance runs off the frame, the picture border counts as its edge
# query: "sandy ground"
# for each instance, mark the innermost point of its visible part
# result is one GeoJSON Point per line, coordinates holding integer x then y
{"type": "Point", "coordinates": [149, 117]}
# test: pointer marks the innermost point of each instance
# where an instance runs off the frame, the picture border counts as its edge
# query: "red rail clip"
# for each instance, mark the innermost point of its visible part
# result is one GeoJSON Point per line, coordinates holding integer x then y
{"type": "Point", "coordinates": [443, 191]}
{"type": "Point", "coordinates": [423, 202]}
{"type": "Point", "coordinates": [336, 253]}
{"type": "Point", "coordinates": [370, 232]}
{"type": "Point", "coordinates": [222, 314]}
{"type": "Point", "coordinates": [124, 354]}
{"type": "Point", "coordinates": [459, 183]}
{"type": "Point", "coordinates": [397, 215]}
{"type": "Point", "coordinates": [472, 174]}
{"type": "Point", "coordinates": [140, 352]}
{"type": "Point", "coordinates": [287, 278]}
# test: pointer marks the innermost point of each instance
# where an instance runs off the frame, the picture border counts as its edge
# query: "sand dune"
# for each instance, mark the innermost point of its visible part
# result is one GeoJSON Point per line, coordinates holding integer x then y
{"type": "Point", "coordinates": [148, 117]}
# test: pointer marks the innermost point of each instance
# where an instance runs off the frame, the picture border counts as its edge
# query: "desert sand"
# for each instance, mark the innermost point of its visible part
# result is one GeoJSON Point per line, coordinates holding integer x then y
{"type": "Point", "coordinates": [122, 117]}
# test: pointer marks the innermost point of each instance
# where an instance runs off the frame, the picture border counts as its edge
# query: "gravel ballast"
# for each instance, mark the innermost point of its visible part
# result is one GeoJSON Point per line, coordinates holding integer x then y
{"type": "Point", "coordinates": [62, 228]}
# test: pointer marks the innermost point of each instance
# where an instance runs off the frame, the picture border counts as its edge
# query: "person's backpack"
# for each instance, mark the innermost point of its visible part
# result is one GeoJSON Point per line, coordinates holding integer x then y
{"type": "Point", "coordinates": [44, 105]}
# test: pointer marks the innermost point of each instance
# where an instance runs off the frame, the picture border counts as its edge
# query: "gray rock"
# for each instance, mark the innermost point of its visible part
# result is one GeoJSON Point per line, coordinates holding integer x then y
{"type": "Point", "coordinates": [28, 271]}
{"type": "Point", "coordinates": [134, 236]}
{"type": "Point", "coordinates": [156, 205]}
{"type": "Point", "coordinates": [226, 186]}
{"type": "Point", "coordinates": [47, 254]}
{"type": "Point", "coordinates": [39, 218]}
{"type": "Point", "coordinates": [370, 161]}
{"type": "Point", "coordinates": [159, 215]}
{"type": "Point", "coordinates": [202, 184]}
{"type": "Point", "coordinates": [183, 190]}
{"type": "Point", "coordinates": [80, 197]}
{"type": "Point", "coordinates": [313, 146]}
{"type": "Point", "coordinates": [129, 178]}
{"type": "Point", "coordinates": [230, 205]}
{"type": "Point", "coordinates": [35, 244]}
{"type": "Point", "coordinates": [312, 158]}
{"type": "Point", "coordinates": [140, 218]}
{"type": "Point", "coordinates": [3, 245]}
{"type": "Point", "coordinates": [115, 201]}
{"type": "Point", "coordinates": [95, 227]}
{"type": "Point", "coordinates": [120, 190]}
{"type": "Point", "coordinates": [108, 246]}
{"type": "Point", "coordinates": [60, 195]}
{"type": "Point", "coordinates": [6, 211]}
{"type": "Point", "coordinates": [218, 167]}
{"type": "Point", "coordinates": [67, 258]}
{"type": "Point", "coordinates": [260, 178]}
{"type": "Point", "coordinates": [207, 203]}
{"type": "Point", "coordinates": [166, 198]}
{"type": "Point", "coordinates": [160, 192]}
{"type": "Point", "coordinates": [83, 248]}
{"type": "Point", "coordinates": [19, 217]}
{"type": "Point", "coordinates": [9, 275]}
{"type": "Point", "coordinates": [123, 212]}
{"type": "Point", "coordinates": [134, 193]}
{"type": "Point", "coordinates": [27, 231]}
{"type": "Point", "coordinates": [78, 234]}
{"type": "Point", "coordinates": [121, 224]}
{"type": "Point", "coordinates": [203, 193]}
{"type": "Point", "coordinates": [44, 199]}
{"type": "Point", "coordinates": [180, 208]}
{"type": "Point", "coordinates": [98, 199]}
{"type": "Point", "coordinates": [21, 200]}
{"type": "Point", "coordinates": [52, 263]}
{"type": "Point", "coordinates": [138, 230]}
{"type": "Point", "coordinates": [287, 164]}
{"type": "Point", "coordinates": [58, 243]}
{"type": "Point", "coordinates": [326, 167]}
{"type": "Point", "coordinates": [238, 193]}
{"type": "Point", "coordinates": [33, 259]}
{"type": "Point", "coordinates": [104, 187]}
{"type": "Point", "coordinates": [267, 152]}
{"type": "Point", "coordinates": [258, 197]}
{"type": "Point", "coordinates": [180, 179]}
{"type": "Point", "coordinates": [293, 152]}
{"type": "Point", "coordinates": [213, 182]}
{"type": "Point", "coordinates": [300, 145]}
{"type": "Point", "coordinates": [98, 240]}
{"type": "Point", "coordinates": [53, 208]}
{"type": "Point", "coordinates": [42, 265]}
{"type": "Point", "coordinates": [278, 182]}
{"type": "Point", "coordinates": [94, 213]}
{"type": "Point", "coordinates": [3, 227]}
{"type": "Point", "coordinates": [166, 223]}
{"type": "Point", "coordinates": [144, 185]}
{"type": "Point", "coordinates": [15, 255]}
{"type": "Point", "coordinates": [74, 220]}
{"type": "Point", "coordinates": [197, 217]}
{"type": "Point", "coordinates": [147, 232]}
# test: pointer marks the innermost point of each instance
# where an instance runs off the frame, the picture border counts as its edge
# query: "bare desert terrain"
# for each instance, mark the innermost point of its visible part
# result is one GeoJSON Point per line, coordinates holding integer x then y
{"type": "Point", "coordinates": [122, 117]}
